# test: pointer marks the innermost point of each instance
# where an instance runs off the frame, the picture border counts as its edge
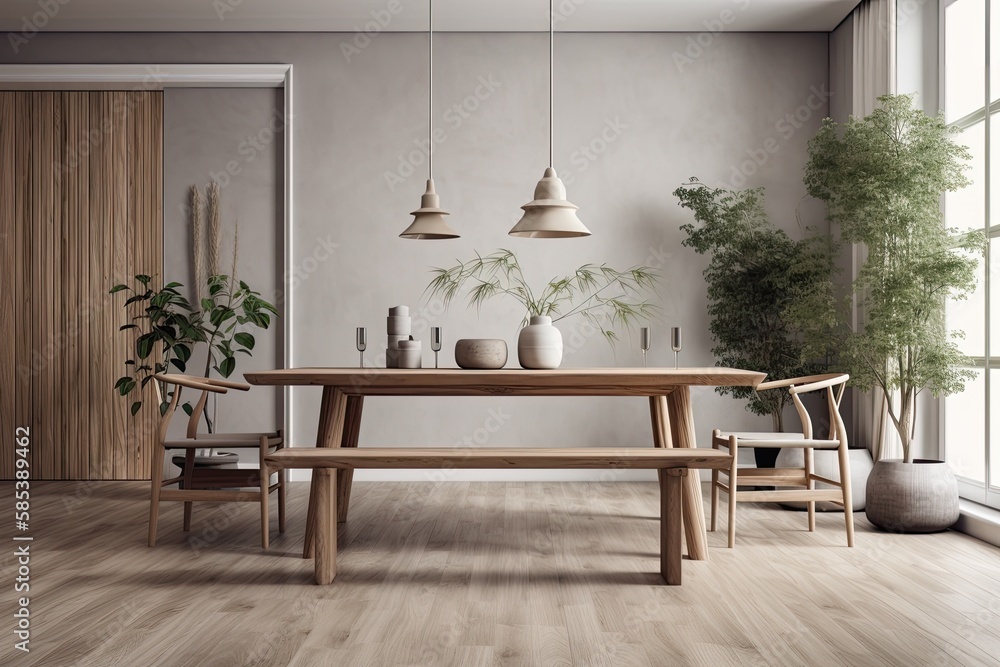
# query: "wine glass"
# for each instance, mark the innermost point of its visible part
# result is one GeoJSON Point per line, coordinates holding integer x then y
{"type": "Point", "coordinates": [436, 343]}
{"type": "Point", "coordinates": [675, 342]}
{"type": "Point", "coordinates": [362, 343]}
{"type": "Point", "coordinates": [644, 341]}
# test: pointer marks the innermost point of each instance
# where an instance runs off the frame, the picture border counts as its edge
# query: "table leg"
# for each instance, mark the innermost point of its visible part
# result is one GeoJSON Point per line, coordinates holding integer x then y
{"type": "Point", "coordinates": [329, 433]}
{"type": "Point", "coordinates": [326, 526]}
{"type": "Point", "coordinates": [345, 476]}
{"type": "Point", "coordinates": [681, 426]}
{"type": "Point", "coordinates": [671, 505]}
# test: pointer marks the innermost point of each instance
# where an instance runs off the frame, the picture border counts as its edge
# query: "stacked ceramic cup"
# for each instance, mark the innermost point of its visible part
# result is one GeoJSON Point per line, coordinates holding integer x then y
{"type": "Point", "coordinates": [401, 350]}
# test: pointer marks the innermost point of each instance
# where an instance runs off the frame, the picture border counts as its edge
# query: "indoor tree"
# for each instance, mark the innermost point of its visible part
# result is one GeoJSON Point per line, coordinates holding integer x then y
{"type": "Point", "coordinates": [883, 178]}
{"type": "Point", "coordinates": [771, 298]}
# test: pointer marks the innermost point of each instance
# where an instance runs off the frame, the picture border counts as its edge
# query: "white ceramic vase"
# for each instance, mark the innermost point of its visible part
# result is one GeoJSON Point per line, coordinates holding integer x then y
{"type": "Point", "coordinates": [539, 345]}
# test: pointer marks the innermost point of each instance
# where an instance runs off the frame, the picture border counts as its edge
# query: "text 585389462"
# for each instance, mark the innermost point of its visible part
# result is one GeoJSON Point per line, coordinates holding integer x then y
{"type": "Point", "coordinates": [22, 541]}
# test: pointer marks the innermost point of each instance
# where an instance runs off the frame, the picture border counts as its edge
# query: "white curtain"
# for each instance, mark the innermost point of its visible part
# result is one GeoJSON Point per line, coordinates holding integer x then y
{"type": "Point", "coordinates": [873, 75]}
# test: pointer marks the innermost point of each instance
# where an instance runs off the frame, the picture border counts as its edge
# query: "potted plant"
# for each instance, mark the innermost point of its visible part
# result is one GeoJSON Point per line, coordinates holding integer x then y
{"type": "Point", "coordinates": [883, 178]}
{"type": "Point", "coordinates": [606, 297]}
{"type": "Point", "coordinates": [168, 329]}
{"type": "Point", "coordinates": [770, 297]}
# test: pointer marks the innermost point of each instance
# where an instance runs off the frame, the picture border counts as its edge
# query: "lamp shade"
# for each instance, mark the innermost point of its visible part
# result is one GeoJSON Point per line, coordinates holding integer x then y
{"type": "Point", "coordinates": [549, 215]}
{"type": "Point", "coordinates": [428, 220]}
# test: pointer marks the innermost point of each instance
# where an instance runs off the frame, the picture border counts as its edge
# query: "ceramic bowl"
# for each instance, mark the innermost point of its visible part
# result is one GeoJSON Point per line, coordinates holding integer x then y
{"type": "Point", "coordinates": [481, 353]}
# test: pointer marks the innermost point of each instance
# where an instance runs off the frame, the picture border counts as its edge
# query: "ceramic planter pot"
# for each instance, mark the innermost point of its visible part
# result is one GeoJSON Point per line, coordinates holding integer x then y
{"type": "Point", "coordinates": [918, 497]}
{"type": "Point", "coordinates": [540, 345]}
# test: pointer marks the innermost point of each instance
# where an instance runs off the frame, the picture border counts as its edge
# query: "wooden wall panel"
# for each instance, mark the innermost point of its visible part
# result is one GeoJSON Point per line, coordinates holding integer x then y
{"type": "Point", "coordinates": [145, 167]}
{"type": "Point", "coordinates": [80, 209]}
{"type": "Point", "coordinates": [102, 461]}
{"type": "Point", "coordinates": [8, 269]}
{"type": "Point", "coordinates": [119, 267]}
{"type": "Point", "coordinates": [26, 298]}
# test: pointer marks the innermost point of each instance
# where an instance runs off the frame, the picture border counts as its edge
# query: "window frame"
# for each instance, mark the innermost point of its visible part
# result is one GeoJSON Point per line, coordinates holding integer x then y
{"type": "Point", "coordinates": [988, 491]}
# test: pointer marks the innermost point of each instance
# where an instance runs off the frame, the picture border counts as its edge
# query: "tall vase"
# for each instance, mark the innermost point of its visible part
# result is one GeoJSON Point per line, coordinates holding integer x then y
{"type": "Point", "coordinates": [539, 345]}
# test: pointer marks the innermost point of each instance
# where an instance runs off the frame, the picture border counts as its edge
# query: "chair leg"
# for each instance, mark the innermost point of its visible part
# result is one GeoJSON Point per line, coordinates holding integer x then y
{"type": "Point", "coordinates": [845, 487]}
{"type": "Point", "coordinates": [281, 500]}
{"type": "Point", "coordinates": [155, 484]}
{"type": "Point", "coordinates": [188, 484]}
{"type": "Point", "coordinates": [265, 495]}
{"type": "Point", "coordinates": [715, 497]}
{"type": "Point", "coordinates": [715, 483]}
{"type": "Point", "coordinates": [733, 486]}
{"type": "Point", "coordinates": [810, 484]}
{"type": "Point", "coordinates": [282, 490]}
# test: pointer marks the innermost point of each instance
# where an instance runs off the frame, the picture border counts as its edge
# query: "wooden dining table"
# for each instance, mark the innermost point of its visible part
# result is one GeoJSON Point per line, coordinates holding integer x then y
{"type": "Point", "coordinates": [667, 390]}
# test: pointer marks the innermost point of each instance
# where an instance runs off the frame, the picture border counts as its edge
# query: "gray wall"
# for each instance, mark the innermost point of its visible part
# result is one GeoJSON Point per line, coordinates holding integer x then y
{"type": "Point", "coordinates": [206, 132]}
{"type": "Point", "coordinates": [653, 110]}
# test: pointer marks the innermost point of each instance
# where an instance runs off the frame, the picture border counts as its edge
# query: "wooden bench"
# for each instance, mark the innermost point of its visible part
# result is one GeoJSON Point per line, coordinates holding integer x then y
{"type": "Point", "coordinates": [672, 464]}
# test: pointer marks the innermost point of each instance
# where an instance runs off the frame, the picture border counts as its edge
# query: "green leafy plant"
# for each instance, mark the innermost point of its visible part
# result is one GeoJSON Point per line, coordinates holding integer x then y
{"type": "Point", "coordinates": [770, 297]}
{"type": "Point", "coordinates": [883, 177]}
{"type": "Point", "coordinates": [169, 329]}
{"type": "Point", "coordinates": [230, 306]}
{"type": "Point", "coordinates": [608, 298]}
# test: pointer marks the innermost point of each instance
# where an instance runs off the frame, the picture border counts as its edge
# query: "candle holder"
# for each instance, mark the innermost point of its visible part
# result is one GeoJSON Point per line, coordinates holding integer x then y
{"type": "Point", "coordinates": [361, 341]}
{"type": "Point", "coordinates": [644, 342]}
{"type": "Point", "coordinates": [436, 343]}
{"type": "Point", "coordinates": [675, 342]}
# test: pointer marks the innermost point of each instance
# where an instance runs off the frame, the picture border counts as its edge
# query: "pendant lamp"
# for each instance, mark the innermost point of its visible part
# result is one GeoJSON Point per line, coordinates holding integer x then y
{"type": "Point", "coordinates": [549, 215]}
{"type": "Point", "coordinates": [428, 220]}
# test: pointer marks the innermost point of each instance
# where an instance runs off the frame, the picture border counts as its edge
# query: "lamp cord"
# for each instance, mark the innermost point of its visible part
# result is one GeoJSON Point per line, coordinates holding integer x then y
{"type": "Point", "coordinates": [552, 128]}
{"type": "Point", "coordinates": [430, 92]}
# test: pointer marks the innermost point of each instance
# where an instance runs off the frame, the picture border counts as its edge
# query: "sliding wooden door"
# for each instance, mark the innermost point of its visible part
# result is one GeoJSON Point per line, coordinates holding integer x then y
{"type": "Point", "coordinates": [80, 210]}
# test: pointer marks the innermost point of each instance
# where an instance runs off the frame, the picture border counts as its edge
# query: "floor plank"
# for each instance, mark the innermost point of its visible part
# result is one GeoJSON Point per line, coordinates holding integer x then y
{"type": "Point", "coordinates": [516, 573]}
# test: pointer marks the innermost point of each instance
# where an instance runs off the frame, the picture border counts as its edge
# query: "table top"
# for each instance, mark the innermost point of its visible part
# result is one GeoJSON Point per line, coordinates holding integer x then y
{"type": "Point", "coordinates": [508, 381]}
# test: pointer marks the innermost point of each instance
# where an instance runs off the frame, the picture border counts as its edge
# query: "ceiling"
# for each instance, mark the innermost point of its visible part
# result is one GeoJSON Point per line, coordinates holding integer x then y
{"type": "Point", "coordinates": [411, 15]}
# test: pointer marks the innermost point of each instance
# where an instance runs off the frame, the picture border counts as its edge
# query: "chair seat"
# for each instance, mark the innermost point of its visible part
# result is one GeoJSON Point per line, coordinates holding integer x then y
{"type": "Point", "coordinates": [776, 440]}
{"type": "Point", "coordinates": [214, 460]}
{"type": "Point", "coordinates": [746, 435]}
{"type": "Point", "coordinates": [213, 440]}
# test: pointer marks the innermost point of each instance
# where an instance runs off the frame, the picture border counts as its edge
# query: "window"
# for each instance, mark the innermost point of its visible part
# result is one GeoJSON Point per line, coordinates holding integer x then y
{"type": "Point", "coordinates": [971, 79]}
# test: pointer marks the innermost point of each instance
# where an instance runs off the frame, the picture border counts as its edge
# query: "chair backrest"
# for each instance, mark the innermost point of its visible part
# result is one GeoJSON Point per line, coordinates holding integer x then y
{"type": "Point", "coordinates": [834, 383]}
{"type": "Point", "coordinates": [206, 385]}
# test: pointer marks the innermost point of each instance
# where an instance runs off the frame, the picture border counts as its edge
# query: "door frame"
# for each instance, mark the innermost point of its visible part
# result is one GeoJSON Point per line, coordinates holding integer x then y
{"type": "Point", "coordinates": [151, 77]}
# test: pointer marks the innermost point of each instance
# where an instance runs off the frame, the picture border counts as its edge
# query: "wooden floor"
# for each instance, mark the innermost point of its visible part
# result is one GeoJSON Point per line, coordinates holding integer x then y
{"type": "Point", "coordinates": [483, 574]}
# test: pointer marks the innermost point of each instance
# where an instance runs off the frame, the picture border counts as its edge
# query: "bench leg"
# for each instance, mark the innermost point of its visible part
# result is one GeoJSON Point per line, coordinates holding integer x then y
{"type": "Point", "coordinates": [307, 545]}
{"type": "Point", "coordinates": [325, 526]}
{"type": "Point", "coordinates": [671, 522]}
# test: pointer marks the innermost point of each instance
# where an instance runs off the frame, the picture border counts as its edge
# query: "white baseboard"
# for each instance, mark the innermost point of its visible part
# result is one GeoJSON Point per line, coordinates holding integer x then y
{"type": "Point", "coordinates": [979, 521]}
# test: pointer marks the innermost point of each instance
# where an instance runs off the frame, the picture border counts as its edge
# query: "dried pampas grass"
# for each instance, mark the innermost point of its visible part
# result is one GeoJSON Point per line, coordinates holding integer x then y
{"type": "Point", "coordinates": [214, 229]}
{"type": "Point", "coordinates": [198, 244]}
{"type": "Point", "coordinates": [236, 252]}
